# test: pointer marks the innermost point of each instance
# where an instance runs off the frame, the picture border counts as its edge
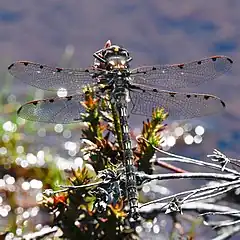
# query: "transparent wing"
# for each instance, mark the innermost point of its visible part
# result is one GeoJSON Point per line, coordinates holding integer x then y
{"type": "Point", "coordinates": [184, 75]}
{"type": "Point", "coordinates": [178, 105]}
{"type": "Point", "coordinates": [50, 78]}
{"type": "Point", "coordinates": [54, 110]}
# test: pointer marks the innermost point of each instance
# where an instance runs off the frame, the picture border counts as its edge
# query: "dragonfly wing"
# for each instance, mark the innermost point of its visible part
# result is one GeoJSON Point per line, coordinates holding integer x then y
{"type": "Point", "coordinates": [178, 105]}
{"type": "Point", "coordinates": [184, 75]}
{"type": "Point", "coordinates": [50, 78]}
{"type": "Point", "coordinates": [54, 110]}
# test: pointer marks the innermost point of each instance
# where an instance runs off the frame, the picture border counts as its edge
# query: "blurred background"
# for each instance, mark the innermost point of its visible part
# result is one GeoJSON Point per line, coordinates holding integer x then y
{"type": "Point", "coordinates": [66, 33]}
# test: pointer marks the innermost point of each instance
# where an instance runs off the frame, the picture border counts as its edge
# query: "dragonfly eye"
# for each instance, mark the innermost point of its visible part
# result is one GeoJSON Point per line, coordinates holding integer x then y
{"type": "Point", "coordinates": [123, 62]}
{"type": "Point", "coordinates": [125, 53]}
{"type": "Point", "coordinates": [107, 53]}
{"type": "Point", "coordinates": [112, 64]}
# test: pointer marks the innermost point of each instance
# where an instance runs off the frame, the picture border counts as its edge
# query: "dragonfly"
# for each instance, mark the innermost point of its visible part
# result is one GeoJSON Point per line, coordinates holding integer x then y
{"type": "Point", "coordinates": [148, 87]}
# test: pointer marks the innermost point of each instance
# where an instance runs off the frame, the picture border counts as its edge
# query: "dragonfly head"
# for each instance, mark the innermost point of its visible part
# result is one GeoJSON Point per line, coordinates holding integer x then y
{"type": "Point", "coordinates": [117, 58]}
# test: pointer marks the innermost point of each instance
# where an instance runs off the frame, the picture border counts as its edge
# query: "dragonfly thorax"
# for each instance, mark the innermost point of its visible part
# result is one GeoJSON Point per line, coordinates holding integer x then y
{"type": "Point", "coordinates": [119, 88]}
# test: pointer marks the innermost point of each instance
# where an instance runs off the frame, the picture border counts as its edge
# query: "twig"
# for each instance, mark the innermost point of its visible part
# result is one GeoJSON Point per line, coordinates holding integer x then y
{"type": "Point", "coordinates": [166, 176]}
{"type": "Point", "coordinates": [229, 223]}
{"type": "Point", "coordinates": [50, 192]}
{"type": "Point", "coordinates": [170, 167]}
{"type": "Point", "coordinates": [227, 232]}
{"type": "Point", "coordinates": [179, 158]}
{"type": "Point", "coordinates": [217, 187]}
{"type": "Point", "coordinates": [221, 213]}
{"type": "Point", "coordinates": [40, 234]}
{"type": "Point", "coordinates": [194, 206]}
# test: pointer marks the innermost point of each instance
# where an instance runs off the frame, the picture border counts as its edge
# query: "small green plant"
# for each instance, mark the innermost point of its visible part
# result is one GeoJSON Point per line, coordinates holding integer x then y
{"type": "Point", "coordinates": [79, 211]}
